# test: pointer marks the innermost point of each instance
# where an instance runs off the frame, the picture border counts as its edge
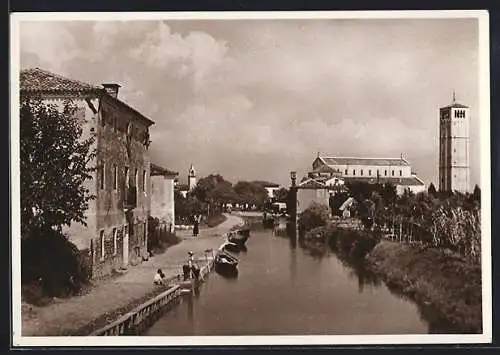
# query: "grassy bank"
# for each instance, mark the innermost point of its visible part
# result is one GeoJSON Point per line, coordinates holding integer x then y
{"type": "Point", "coordinates": [433, 277]}
{"type": "Point", "coordinates": [445, 285]}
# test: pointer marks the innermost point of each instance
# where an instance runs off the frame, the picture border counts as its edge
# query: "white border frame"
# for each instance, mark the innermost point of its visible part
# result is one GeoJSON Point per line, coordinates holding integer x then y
{"type": "Point", "coordinates": [484, 111]}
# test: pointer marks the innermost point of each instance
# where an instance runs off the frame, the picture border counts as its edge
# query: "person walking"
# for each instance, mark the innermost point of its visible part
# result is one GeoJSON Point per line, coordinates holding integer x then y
{"type": "Point", "coordinates": [196, 226]}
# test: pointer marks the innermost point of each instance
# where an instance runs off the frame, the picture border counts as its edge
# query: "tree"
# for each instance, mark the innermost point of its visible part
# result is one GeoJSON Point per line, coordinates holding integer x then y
{"type": "Point", "coordinates": [54, 162]}
{"type": "Point", "coordinates": [432, 190]}
{"type": "Point", "coordinates": [281, 195]}
{"type": "Point", "coordinates": [251, 192]}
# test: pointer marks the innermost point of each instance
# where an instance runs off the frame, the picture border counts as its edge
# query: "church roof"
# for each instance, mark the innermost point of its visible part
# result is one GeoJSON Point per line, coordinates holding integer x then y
{"type": "Point", "coordinates": [333, 161]}
{"type": "Point", "coordinates": [325, 169]}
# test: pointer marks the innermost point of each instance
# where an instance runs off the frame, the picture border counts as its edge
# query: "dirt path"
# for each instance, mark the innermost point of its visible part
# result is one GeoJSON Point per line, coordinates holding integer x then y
{"type": "Point", "coordinates": [68, 315]}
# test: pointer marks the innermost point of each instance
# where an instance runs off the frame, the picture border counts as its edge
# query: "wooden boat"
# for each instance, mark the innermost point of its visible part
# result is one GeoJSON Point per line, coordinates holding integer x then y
{"type": "Point", "coordinates": [239, 236]}
{"type": "Point", "coordinates": [225, 262]}
{"type": "Point", "coordinates": [231, 247]}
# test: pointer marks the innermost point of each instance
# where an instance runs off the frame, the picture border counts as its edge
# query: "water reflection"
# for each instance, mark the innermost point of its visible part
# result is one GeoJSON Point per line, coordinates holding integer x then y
{"type": "Point", "coordinates": [283, 290]}
{"type": "Point", "coordinates": [358, 269]}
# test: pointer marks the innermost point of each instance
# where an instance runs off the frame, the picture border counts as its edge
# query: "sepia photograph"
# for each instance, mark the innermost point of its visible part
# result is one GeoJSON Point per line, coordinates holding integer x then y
{"type": "Point", "coordinates": [250, 178]}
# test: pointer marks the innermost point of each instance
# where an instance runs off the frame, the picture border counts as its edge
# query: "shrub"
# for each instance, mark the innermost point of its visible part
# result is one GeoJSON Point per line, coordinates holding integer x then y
{"type": "Point", "coordinates": [55, 264]}
{"type": "Point", "coordinates": [316, 215]}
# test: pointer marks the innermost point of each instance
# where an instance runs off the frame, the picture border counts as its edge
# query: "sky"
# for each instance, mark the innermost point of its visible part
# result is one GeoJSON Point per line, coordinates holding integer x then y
{"type": "Point", "coordinates": [256, 99]}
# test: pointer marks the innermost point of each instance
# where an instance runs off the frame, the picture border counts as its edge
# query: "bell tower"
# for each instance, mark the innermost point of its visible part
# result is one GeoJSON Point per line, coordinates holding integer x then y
{"type": "Point", "coordinates": [454, 139]}
{"type": "Point", "coordinates": [191, 178]}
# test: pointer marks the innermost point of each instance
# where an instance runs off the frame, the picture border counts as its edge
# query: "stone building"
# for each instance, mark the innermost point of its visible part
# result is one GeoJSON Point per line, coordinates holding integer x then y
{"type": "Point", "coordinates": [271, 188]}
{"type": "Point", "coordinates": [397, 171]}
{"type": "Point", "coordinates": [454, 138]}
{"type": "Point", "coordinates": [116, 231]}
{"type": "Point", "coordinates": [162, 196]}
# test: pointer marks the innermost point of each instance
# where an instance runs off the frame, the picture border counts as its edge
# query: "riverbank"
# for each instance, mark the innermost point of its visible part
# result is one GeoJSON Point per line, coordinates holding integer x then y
{"type": "Point", "coordinates": [435, 279]}
{"type": "Point", "coordinates": [119, 295]}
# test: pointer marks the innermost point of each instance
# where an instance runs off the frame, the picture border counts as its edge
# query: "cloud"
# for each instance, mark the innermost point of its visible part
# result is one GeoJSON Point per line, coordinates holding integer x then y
{"type": "Point", "coordinates": [261, 97]}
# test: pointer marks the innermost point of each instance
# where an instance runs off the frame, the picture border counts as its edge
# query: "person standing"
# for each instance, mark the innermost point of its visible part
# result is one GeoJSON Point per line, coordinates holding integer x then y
{"type": "Point", "coordinates": [196, 226]}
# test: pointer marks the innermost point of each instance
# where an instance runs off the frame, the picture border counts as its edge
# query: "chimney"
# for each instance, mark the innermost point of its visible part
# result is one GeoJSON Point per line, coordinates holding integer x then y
{"type": "Point", "coordinates": [112, 89]}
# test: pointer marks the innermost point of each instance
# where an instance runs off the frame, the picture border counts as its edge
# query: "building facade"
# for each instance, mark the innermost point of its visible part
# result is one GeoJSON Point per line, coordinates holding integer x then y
{"type": "Point", "coordinates": [162, 196]}
{"type": "Point", "coordinates": [454, 139]}
{"type": "Point", "coordinates": [397, 171]}
{"type": "Point", "coordinates": [271, 189]}
{"type": "Point", "coordinates": [116, 231]}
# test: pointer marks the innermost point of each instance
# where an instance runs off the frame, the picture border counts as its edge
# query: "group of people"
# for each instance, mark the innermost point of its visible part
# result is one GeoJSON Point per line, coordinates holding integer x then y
{"type": "Point", "coordinates": [190, 270]}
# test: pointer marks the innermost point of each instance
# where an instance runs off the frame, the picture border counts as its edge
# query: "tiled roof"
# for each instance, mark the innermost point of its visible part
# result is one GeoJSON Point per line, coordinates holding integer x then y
{"type": "Point", "coordinates": [39, 80]}
{"type": "Point", "coordinates": [454, 105]}
{"type": "Point", "coordinates": [405, 181]}
{"type": "Point", "coordinates": [311, 184]}
{"type": "Point", "coordinates": [158, 170]}
{"type": "Point", "coordinates": [365, 161]}
{"type": "Point", "coordinates": [325, 169]}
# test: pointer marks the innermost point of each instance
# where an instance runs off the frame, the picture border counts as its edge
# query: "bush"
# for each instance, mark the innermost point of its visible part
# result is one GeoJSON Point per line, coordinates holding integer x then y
{"type": "Point", "coordinates": [54, 264]}
{"type": "Point", "coordinates": [159, 236]}
{"type": "Point", "coordinates": [316, 215]}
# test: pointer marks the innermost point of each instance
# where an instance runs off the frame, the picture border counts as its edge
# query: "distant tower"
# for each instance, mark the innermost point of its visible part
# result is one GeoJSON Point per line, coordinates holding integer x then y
{"type": "Point", "coordinates": [454, 167]}
{"type": "Point", "coordinates": [191, 178]}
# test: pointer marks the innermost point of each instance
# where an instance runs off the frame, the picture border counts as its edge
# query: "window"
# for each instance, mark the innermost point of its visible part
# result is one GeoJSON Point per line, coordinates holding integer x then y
{"type": "Point", "coordinates": [127, 180]}
{"type": "Point", "coordinates": [144, 180]}
{"type": "Point", "coordinates": [115, 235]}
{"type": "Point", "coordinates": [361, 173]}
{"type": "Point", "coordinates": [370, 172]}
{"type": "Point", "coordinates": [385, 172]}
{"type": "Point", "coordinates": [115, 177]}
{"type": "Point", "coordinates": [353, 172]}
{"type": "Point", "coordinates": [102, 176]}
{"type": "Point", "coordinates": [101, 240]}
{"type": "Point", "coordinates": [400, 172]}
{"type": "Point", "coordinates": [345, 172]}
{"type": "Point", "coordinates": [392, 172]}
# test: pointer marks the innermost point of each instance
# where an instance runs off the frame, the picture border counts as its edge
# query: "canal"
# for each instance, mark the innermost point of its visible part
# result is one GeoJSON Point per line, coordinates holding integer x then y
{"type": "Point", "coordinates": [283, 289]}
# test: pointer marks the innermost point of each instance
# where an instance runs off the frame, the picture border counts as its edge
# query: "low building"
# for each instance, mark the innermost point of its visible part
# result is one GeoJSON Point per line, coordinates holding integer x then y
{"type": "Point", "coordinates": [116, 231]}
{"type": "Point", "coordinates": [271, 188]}
{"type": "Point", "coordinates": [162, 196]}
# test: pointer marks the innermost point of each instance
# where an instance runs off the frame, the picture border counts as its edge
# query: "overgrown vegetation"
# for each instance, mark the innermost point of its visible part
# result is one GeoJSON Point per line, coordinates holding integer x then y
{"type": "Point", "coordinates": [444, 220]}
{"type": "Point", "coordinates": [55, 161]}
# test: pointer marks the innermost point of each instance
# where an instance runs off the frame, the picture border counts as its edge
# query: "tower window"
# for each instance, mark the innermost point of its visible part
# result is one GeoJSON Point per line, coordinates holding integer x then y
{"type": "Point", "coordinates": [361, 172]}
{"type": "Point", "coordinates": [353, 172]}
{"type": "Point", "coordinates": [369, 172]}
{"type": "Point", "coordinates": [345, 172]}
{"type": "Point", "coordinates": [400, 172]}
{"type": "Point", "coordinates": [385, 172]}
{"type": "Point", "coordinates": [392, 172]}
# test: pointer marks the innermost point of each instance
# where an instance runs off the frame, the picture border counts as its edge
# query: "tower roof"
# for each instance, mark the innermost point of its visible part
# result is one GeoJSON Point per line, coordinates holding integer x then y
{"type": "Point", "coordinates": [454, 105]}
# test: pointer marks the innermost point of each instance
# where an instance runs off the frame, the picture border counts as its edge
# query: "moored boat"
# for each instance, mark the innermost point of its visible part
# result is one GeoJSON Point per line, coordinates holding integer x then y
{"type": "Point", "coordinates": [239, 236]}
